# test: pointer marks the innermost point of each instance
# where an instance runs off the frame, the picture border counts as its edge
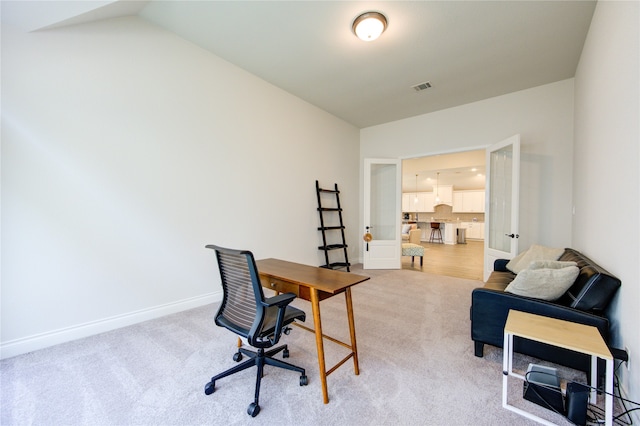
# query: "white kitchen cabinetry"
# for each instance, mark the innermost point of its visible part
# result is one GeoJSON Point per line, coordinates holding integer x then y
{"type": "Point", "coordinates": [474, 230]}
{"type": "Point", "coordinates": [426, 231]}
{"type": "Point", "coordinates": [415, 202]}
{"type": "Point", "coordinates": [426, 201]}
{"type": "Point", "coordinates": [409, 202]}
{"type": "Point", "coordinates": [458, 202]}
{"type": "Point", "coordinates": [445, 193]}
{"type": "Point", "coordinates": [448, 232]}
{"type": "Point", "coordinates": [468, 201]}
{"type": "Point", "coordinates": [423, 205]}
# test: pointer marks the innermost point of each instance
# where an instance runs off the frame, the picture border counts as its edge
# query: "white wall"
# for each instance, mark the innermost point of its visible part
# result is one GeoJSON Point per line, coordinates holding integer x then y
{"type": "Point", "coordinates": [606, 161]}
{"type": "Point", "coordinates": [126, 149]}
{"type": "Point", "coordinates": [543, 116]}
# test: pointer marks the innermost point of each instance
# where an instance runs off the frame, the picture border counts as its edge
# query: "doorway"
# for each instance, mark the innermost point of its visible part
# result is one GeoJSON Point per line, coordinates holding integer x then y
{"type": "Point", "coordinates": [448, 189]}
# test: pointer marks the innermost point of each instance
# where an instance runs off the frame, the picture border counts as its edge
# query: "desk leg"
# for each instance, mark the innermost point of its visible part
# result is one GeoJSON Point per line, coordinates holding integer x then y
{"type": "Point", "coordinates": [608, 405]}
{"type": "Point", "coordinates": [315, 307]}
{"type": "Point", "coordinates": [352, 330]}
{"type": "Point", "coordinates": [506, 365]}
{"type": "Point", "coordinates": [593, 398]}
{"type": "Point", "coordinates": [507, 370]}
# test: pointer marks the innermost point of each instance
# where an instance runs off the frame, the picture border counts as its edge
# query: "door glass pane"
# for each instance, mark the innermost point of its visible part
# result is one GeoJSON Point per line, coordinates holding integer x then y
{"type": "Point", "coordinates": [500, 198]}
{"type": "Point", "coordinates": [383, 201]}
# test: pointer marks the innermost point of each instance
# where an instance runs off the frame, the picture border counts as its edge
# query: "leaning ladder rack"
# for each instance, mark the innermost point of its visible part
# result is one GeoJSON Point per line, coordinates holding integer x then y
{"type": "Point", "coordinates": [331, 211]}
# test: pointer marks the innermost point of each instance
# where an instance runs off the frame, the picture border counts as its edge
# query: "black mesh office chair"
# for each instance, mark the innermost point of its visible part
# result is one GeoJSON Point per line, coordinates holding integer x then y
{"type": "Point", "coordinates": [246, 312]}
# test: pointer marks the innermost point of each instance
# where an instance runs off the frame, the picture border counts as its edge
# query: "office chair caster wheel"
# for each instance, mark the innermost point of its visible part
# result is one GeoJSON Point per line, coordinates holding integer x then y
{"type": "Point", "coordinates": [209, 388]}
{"type": "Point", "coordinates": [237, 357]}
{"type": "Point", "coordinates": [285, 353]}
{"type": "Point", "coordinates": [253, 409]}
{"type": "Point", "coordinates": [304, 381]}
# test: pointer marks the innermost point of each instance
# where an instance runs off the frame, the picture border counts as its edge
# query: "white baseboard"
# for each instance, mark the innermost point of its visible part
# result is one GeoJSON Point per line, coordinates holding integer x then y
{"type": "Point", "coordinates": [51, 338]}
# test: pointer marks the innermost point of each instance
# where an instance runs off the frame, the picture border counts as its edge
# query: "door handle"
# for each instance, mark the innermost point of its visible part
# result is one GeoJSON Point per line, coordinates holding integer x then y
{"type": "Point", "coordinates": [512, 235]}
{"type": "Point", "coordinates": [367, 236]}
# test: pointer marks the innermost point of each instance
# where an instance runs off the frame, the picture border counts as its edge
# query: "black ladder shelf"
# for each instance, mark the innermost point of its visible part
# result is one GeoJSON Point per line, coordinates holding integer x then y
{"type": "Point", "coordinates": [329, 227]}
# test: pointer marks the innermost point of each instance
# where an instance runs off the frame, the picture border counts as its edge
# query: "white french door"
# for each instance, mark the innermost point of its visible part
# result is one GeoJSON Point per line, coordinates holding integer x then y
{"type": "Point", "coordinates": [382, 209]}
{"type": "Point", "coordinates": [502, 202]}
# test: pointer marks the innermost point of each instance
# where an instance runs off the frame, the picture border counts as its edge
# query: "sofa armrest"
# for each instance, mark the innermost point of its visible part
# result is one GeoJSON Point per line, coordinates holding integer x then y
{"type": "Point", "coordinates": [500, 265]}
{"type": "Point", "coordinates": [489, 310]}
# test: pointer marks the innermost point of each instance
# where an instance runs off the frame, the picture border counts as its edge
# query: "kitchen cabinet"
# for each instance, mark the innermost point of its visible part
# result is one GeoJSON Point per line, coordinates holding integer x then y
{"type": "Point", "coordinates": [425, 227]}
{"type": "Point", "coordinates": [448, 232]}
{"type": "Point", "coordinates": [474, 230]}
{"type": "Point", "coordinates": [407, 202]}
{"type": "Point", "coordinates": [468, 201]}
{"type": "Point", "coordinates": [429, 201]}
{"type": "Point", "coordinates": [458, 202]}
{"type": "Point", "coordinates": [413, 202]}
{"type": "Point", "coordinates": [424, 202]}
{"type": "Point", "coordinates": [445, 193]}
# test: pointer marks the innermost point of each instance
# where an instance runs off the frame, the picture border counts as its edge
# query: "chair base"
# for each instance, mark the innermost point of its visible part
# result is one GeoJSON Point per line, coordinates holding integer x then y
{"type": "Point", "coordinates": [257, 358]}
{"type": "Point", "coordinates": [436, 236]}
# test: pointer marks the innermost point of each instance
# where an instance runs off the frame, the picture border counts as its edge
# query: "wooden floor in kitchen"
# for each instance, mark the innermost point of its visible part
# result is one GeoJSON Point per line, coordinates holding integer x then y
{"type": "Point", "coordinates": [458, 260]}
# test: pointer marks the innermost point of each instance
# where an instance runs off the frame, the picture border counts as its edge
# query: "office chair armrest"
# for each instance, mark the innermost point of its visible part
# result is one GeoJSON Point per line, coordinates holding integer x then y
{"type": "Point", "coordinates": [280, 300]}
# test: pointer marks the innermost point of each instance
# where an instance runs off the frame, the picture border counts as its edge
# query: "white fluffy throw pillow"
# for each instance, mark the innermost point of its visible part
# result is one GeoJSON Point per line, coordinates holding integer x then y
{"type": "Point", "coordinates": [546, 280]}
{"type": "Point", "coordinates": [550, 264]}
{"type": "Point", "coordinates": [535, 252]}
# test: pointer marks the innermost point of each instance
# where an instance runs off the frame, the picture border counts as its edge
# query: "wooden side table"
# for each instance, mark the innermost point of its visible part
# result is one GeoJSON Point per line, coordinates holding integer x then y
{"type": "Point", "coordinates": [569, 335]}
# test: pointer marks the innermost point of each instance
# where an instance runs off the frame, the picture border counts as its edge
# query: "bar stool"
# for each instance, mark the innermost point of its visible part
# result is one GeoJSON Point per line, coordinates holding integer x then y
{"type": "Point", "coordinates": [436, 234]}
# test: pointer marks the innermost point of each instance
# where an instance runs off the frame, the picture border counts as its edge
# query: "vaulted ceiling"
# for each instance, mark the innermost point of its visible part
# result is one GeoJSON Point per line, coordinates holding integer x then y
{"type": "Point", "coordinates": [467, 50]}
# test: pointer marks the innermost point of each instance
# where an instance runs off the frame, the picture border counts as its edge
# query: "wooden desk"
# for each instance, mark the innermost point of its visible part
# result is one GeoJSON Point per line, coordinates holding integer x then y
{"type": "Point", "coordinates": [315, 284]}
{"type": "Point", "coordinates": [565, 334]}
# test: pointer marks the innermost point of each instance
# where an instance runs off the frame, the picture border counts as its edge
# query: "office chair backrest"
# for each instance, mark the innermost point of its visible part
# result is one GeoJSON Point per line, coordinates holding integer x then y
{"type": "Point", "coordinates": [241, 310]}
{"type": "Point", "coordinates": [245, 311]}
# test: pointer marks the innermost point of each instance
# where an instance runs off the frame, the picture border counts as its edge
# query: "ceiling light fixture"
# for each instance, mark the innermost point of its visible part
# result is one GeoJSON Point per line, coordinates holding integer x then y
{"type": "Point", "coordinates": [369, 25]}
{"type": "Point", "coordinates": [437, 191]}
{"type": "Point", "coordinates": [415, 200]}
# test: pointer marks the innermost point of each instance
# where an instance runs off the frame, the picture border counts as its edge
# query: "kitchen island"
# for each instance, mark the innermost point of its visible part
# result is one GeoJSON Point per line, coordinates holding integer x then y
{"type": "Point", "coordinates": [449, 229]}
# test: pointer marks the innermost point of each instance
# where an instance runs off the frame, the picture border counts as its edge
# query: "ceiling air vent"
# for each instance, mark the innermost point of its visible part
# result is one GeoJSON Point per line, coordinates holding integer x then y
{"type": "Point", "coordinates": [422, 86]}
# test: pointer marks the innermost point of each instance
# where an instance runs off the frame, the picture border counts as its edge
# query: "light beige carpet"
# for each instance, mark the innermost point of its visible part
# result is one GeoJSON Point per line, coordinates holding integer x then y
{"type": "Point", "coordinates": [416, 368]}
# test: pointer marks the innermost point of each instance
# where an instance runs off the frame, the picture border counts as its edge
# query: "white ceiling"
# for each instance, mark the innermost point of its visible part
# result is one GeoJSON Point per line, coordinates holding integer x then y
{"type": "Point", "coordinates": [468, 50]}
{"type": "Point", "coordinates": [464, 170]}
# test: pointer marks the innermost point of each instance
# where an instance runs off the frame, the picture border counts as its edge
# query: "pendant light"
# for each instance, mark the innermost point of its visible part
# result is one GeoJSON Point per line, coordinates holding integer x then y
{"type": "Point", "coordinates": [437, 194]}
{"type": "Point", "coordinates": [415, 200]}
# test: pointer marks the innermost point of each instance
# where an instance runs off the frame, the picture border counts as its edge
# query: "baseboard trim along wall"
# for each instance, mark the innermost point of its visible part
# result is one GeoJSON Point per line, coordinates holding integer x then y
{"type": "Point", "coordinates": [51, 338]}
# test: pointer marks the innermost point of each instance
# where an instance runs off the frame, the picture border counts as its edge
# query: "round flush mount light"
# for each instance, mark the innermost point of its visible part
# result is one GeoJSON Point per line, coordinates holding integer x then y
{"type": "Point", "coordinates": [369, 25]}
